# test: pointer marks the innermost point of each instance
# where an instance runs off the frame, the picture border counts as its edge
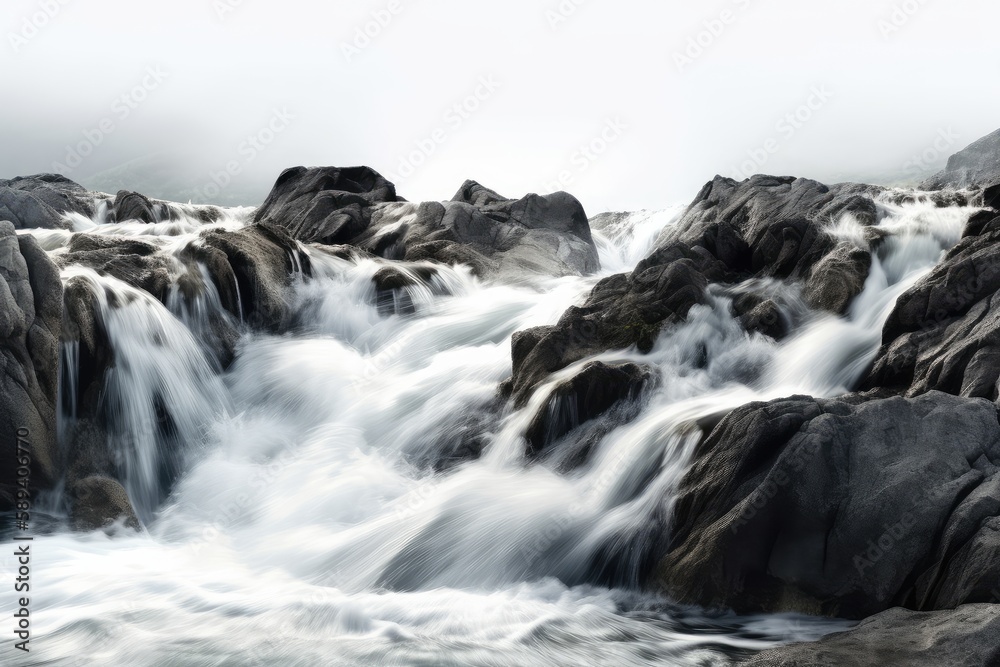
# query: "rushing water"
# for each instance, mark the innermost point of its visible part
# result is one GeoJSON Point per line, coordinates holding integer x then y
{"type": "Point", "coordinates": [323, 516]}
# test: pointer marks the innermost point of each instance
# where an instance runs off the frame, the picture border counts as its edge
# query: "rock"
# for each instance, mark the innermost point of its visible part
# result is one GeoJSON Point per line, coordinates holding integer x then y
{"type": "Point", "coordinates": [842, 507]}
{"type": "Point", "coordinates": [252, 269]}
{"type": "Point", "coordinates": [976, 167]}
{"type": "Point", "coordinates": [30, 323]}
{"type": "Point", "coordinates": [589, 394]}
{"type": "Point", "coordinates": [132, 206]}
{"type": "Point", "coordinates": [40, 201]}
{"type": "Point", "coordinates": [758, 315]}
{"type": "Point", "coordinates": [964, 637]}
{"type": "Point", "coordinates": [325, 204]}
{"type": "Point", "coordinates": [139, 263]}
{"type": "Point", "coordinates": [944, 333]}
{"type": "Point", "coordinates": [391, 283]}
{"type": "Point", "coordinates": [97, 502]}
{"type": "Point", "coordinates": [497, 237]}
{"type": "Point", "coordinates": [764, 227]}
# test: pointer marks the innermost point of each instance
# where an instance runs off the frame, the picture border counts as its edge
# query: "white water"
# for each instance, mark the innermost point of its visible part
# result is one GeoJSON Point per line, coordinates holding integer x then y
{"type": "Point", "coordinates": [310, 528]}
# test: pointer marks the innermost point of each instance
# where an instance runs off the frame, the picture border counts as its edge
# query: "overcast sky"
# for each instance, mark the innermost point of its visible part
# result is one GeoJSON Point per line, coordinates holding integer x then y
{"type": "Point", "coordinates": [213, 98]}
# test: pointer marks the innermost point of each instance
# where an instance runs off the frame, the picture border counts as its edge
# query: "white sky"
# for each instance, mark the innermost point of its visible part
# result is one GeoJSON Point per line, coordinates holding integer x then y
{"type": "Point", "coordinates": [559, 86]}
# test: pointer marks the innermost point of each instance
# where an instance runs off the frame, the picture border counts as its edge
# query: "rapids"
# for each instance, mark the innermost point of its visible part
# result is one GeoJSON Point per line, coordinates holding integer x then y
{"type": "Point", "coordinates": [327, 513]}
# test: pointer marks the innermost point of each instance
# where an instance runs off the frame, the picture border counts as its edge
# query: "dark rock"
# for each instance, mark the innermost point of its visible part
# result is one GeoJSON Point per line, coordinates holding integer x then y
{"type": "Point", "coordinates": [764, 227]}
{"type": "Point", "coordinates": [964, 637]}
{"type": "Point", "coordinates": [762, 316]}
{"type": "Point", "coordinates": [325, 204]}
{"type": "Point", "coordinates": [252, 271]}
{"type": "Point", "coordinates": [133, 261]}
{"type": "Point", "coordinates": [97, 502]}
{"type": "Point", "coordinates": [495, 236]}
{"type": "Point", "coordinates": [944, 333]}
{"type": "Point", "coordinates": [841, 507]}
{"type": "Point", "coordinates": [133, 206]}
{"type": "Point", "coordinates": [587, 395]}
{"type": "Point", "coordinates": [40, 201]}
{"type": "Point", "coordinates": [977, 167]}
{"type": "Point", "coordinates": [30, 323]}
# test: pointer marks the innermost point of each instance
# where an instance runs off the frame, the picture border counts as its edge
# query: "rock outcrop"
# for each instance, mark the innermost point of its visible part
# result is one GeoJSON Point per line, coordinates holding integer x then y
{"type": "Point", "coordinates": [497, 237]}
{"type": "Point", "coordinates": [976, 167]}
{"type": "Point", "coordinates": [843, 507]}
{"type": "Point", "coordinates": [30, 324]}
{"type": "Point", "coordinates": [762, 227]}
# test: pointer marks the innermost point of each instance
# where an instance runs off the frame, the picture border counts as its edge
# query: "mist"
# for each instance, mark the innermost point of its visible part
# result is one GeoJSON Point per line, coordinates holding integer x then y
{"type": "Point", "coordinates": [627, 105]}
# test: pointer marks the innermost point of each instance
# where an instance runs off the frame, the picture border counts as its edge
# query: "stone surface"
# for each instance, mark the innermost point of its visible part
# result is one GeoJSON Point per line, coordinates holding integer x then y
{"type": "Point", "coordinates": [841, 507]}
{"type": "Point", "coordinates": [964, 637]}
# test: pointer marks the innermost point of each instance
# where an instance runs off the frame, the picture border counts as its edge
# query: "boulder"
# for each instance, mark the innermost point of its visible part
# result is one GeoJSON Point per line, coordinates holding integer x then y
{"type": "Point", "coordinates": [963, 637]}
{"type": "Point", "coordinates": [40, 201]}
{"type": "Point", "coordinates": [97, 502]}
{"type": "Point", "coordinates": [843, 507]}
{"type": "Point", "coordinates": [132, 206]}
{"type": "Point", "coordinates": [589, 394]}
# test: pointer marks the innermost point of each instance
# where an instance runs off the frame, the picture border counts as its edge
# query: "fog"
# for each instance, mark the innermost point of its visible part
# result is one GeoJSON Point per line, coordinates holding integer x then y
{"type": "Point", "coordinates": [628, 104]}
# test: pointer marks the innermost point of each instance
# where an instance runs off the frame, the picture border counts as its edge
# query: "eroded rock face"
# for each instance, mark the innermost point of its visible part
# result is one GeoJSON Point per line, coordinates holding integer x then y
{"type": "Point", "coordinates": [963, 637]}
{"type": "Point", "coordinates": [30, 324]}
{"type": "Point", "coordinates": [841, 507]}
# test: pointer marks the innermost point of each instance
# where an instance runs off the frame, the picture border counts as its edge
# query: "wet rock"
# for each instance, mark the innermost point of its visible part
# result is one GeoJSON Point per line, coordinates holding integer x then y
{"type": "Point", "coordinates": [138, 263]}
{"type": "Point", "coordinates": [496, 236]}
{"type": "Point", "coordinates": [589, 394]}
{"type": "Point", "coordinates": [326, 205]}
{"type": "Point", "coordinates": [132, 206]}
{"type": "Point", "coordinates": [758, 315]}
{"type": "Point", "coordinates": [764, 227]}
{"type": "Point", "coordinates": [944, 333]}
{"type": "Point", "coordinates": [252, 269]}
{"type": "Point", "coordinates": [98, 502]}
{"type": "Point", "coordinates": [40, 201]}
{"type": "Point", "coordinates": [964, 637]}
{"type": "Point", "coordinates": [30, 324]}
{"type": "Point", "coordinates": [842, 507]}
